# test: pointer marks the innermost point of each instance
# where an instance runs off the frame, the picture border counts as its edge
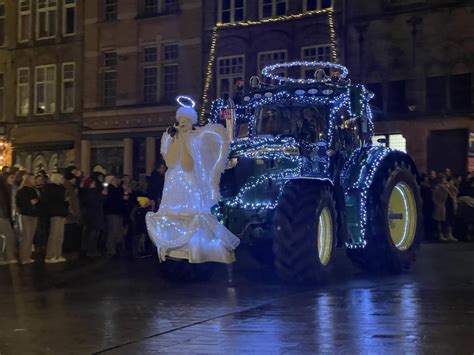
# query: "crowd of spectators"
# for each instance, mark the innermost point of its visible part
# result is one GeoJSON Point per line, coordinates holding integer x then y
{"type": "Point", "coordinates": [43, 216]}
{"type": "Point", "coordinates": [448, 206]}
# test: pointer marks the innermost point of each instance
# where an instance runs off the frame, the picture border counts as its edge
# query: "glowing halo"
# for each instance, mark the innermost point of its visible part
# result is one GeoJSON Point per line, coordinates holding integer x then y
{"type": "Point", "coordinates": [185, 101]}
{"type": "Point", "coordinates": [268, 71]}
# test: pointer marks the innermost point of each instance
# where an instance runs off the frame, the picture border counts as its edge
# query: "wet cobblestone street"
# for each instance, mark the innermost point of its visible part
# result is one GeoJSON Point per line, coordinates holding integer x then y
{"type": "Point", "coordinates": [124, 307]}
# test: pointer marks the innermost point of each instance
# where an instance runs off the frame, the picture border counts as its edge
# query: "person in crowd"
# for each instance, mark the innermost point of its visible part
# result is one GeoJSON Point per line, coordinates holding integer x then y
{"type": "Point", "coordinates": [73, 229]}
{"type": "Point", "coordinates": [114, 210]}
{"type": "Point", "coordinates": [465, 185]}
{"type": "Point", "coordinates": [433, 179]}
{"type": "Point", "coordinates": [57, 207]}
{"type": "Point", "coordinates": [140, 205]}
{"type": "Point", "coordinates": [427, 197]}
{"type": "Point", "coordinates": [156, 183]}
{"type": "Point", "coordinates": [442, 201]}
{"type": "Point", "coordinates": [92, 209]}
{"type": "Point", "coordinates": [27, 199]}
{"type": "Point", "coordinates": [6, 229]}
{"type": "Point", "coordinates": [42, 229]}
{"type": "Point", "coordinates": [126, 185]}
{"type": "Point", "coordinates": [451, 208]}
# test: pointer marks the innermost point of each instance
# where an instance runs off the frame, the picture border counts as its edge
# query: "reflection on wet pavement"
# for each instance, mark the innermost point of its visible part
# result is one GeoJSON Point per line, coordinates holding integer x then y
{"type": "Point", "coordinates": [126, 308]}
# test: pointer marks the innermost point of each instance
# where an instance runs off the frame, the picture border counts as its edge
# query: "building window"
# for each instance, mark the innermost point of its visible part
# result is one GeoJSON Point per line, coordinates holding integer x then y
{"type": "Point", "coordinates": [110, 78]}
{"type": "Point", "coordinates": [318, 53]}
{"type": "Point", "coordinates": [45, 89]}
{"type": "Point", "coordinates": [397, 97]}
{"type": "Point", "coordinates": [23, 92]}
{"type": "Point", "coordinates": [69, 17]}
{"type": "Point", "coordinates": [269, 58]}
{"type": "Point", "coordinates": [2, 114]}
{"type": "Point", "coordinates": [46, 19]}
{"type": "Point", "coordinates": [170, 52]}
{"type": "Point", "coordinates": [170, 71]}
{"type": "Point", "coordinates": [230, 70]}
{"type": "Point", "coordinates": [150, 84]}
{"type": "Point", "coordinates": [110, 10]}
{"type": "Point", "coordinates": [170, 82]}
{"type": "Point", "coordinates": [272, 8]}
{"type": "Point", "coordinates": [150, 74]}
{"type": "Point", "coordinates": [436, 94]}
{"type": "Point", "coordinates": [2, 23]}
{"type": "Point", "coordinates": [150, 55]}
{"type": "Point", "coordinates": [68, 87]}
{"type": "Point", "coordinates": [460, 92]}
{"type": "Point", "coordinates": [311, 5]}
{"type": "Point", "coordinates": [170, 6]}
{"type": "Point", "coordinates": [231, 10]}
{"type": "Point", "coordinates": [24, 21]}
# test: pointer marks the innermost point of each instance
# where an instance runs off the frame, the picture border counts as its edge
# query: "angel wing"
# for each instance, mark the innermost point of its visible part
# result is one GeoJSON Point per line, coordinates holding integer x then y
{"type": "Point", "coordinates": [209, 147]}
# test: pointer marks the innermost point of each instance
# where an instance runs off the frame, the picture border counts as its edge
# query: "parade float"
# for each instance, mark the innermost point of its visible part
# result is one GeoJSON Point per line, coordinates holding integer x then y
{"type": "Point", "coordinates": [303, 177]}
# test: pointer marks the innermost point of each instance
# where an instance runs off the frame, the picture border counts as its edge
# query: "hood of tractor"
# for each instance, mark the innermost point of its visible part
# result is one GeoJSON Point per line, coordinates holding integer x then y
{"type": "Point", "coordinates": [257, 171]}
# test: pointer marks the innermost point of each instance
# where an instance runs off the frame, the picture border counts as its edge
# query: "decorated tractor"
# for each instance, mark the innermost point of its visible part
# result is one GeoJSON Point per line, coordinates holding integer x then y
{"type": "Point", "coordinates": [303, 176]}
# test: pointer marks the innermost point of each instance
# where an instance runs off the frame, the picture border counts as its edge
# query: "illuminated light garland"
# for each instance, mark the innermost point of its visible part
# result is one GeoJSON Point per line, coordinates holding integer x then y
{"type": "Point", "coordinates": [185, 101]}
{"type": "Point", "coordinates": [267, 71]}
{"type": "Point", "coordinates": [214, 37]}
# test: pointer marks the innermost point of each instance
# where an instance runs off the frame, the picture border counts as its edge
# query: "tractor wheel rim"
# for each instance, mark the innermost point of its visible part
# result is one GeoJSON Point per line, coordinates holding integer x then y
{"type": "Point", "coordinates": [325, 236]}
{"type": "Point", "coordinates": [402, 216]}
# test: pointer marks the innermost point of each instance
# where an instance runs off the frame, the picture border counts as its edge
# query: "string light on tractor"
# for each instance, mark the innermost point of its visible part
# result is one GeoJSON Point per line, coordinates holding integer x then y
{"type": "Point", "coordinates": [268, 71]}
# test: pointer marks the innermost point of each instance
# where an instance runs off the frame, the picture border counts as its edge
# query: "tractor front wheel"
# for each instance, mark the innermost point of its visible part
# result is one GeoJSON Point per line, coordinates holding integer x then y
{"type": "Point", "coordinates": [304, 233]}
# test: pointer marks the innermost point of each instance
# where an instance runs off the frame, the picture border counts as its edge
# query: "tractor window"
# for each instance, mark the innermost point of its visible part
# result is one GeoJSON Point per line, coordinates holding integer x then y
{"type": "Point", "coordinates": [308, 123]}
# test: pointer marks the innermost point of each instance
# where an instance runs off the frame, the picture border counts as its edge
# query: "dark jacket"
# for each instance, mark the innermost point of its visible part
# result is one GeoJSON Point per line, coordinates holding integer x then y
{"type": "Point", "coordinates": [5, 199]}
{"type": "Point", "coordinates": [23, 201]}
{"type": "Point", "coordinates": [92, 208]}
{"type": "Point", "coordinates": [155, 186]}
{"type": "Point", "coordinates": [74, 214]}
{"type": "Point", "coordinates": [114, 202]}
{"type": "Point", "coordinates": [138, 213]}
{"type": "Point", "coordinates": [55, 200]}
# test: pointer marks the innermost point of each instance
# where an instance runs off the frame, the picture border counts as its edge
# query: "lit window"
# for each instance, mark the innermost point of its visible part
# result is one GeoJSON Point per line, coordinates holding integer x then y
{"type": "Point", "coordinates": [46, 19]}
{"type": "Point", "coordinates": [24, 21]}
{"type": "Point", "coordinates": [23, 92]}
{"type": "Point", "coordinates": [394, 141]}
{"type": "Point", "coordinates": [170, 71]}
{"type": "Point", "coordinates": [319, 53]}
{"type": "Point", "coordinates": [231, 10]}
{"type": "Point", "coordinates": [68, 87]}
{"type": "Point", "coordinates": [272, 8]}
{"type": "Point", "coordinates": [230, 70]}
{"type": "Point", "coordinates": [69, 17]}
{"type": "Point", "coordinates": [311, 5]}
{"type": "Point", "coordinates": [45, 89]}
{"type": "Point", "coordinates": [110, 78]}
{"type": "Point", "coordinates": [2, 23]}
{"type": "Point", "coordinates": [110, 10]}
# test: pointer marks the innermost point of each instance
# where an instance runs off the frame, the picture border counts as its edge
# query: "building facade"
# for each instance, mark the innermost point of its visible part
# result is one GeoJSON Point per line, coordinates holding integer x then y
{"type": "Point", "coordinates": [40, 94]}
{"type": "Point", "coordinates": [138, 56]}
{"type": "Point", "coordinates": [243, 51]}
{"type": "Point", "coordinates": [417, 56]}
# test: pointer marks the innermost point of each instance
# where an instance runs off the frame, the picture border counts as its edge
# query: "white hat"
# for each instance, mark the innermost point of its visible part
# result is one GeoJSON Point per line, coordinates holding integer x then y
{"type": "Point", "coordinates": [187, 112]}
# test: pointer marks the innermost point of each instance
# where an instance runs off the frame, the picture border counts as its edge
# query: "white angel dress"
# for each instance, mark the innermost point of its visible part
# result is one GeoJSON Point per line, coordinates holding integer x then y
{"type": "Point", "coordinates": [184, 227]}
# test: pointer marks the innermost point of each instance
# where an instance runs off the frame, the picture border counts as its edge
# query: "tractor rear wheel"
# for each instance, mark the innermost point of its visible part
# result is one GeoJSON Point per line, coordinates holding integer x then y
{"type": "Point", "coordinates": [394, 220]}
{"type": "Point", "coordinates": [304, 233]}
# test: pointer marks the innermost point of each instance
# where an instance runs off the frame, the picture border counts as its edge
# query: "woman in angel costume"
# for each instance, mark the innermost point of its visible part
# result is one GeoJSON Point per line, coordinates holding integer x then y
{"type": "Point", "coordinates": [184, 227]}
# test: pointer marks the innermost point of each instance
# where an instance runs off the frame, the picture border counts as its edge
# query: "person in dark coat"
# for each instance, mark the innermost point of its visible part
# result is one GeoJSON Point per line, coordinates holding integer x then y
{"type": "Point", "coordinates": [92, 210]}
{"type": "Point", "coordinates": [42, 230]}
{"type": "Point", "coordinates": [27, 199]}
{"type": "Point", "coordinates": [7, 236]}
{"type": "Point", "coordinates": [156, 184]}
{"type": "Point", "coordinates": [427, 197]}
{"type": "Point", "coordinates": [73, 227]}
{"type": "Point", "coordinates": [114, 210]}
{"type": "Point", "coordinates": [140, 204]}
{"type": "Point", "coordinates": [58, 208]}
